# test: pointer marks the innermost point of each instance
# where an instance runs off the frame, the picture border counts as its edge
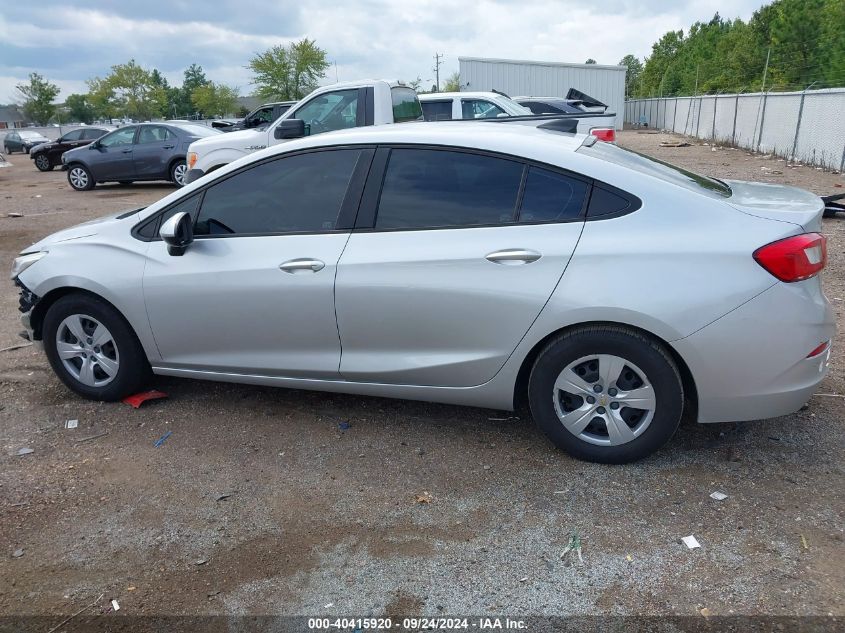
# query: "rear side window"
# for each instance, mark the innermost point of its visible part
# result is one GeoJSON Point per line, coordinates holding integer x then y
{"type": "Point", "coordinates": [406, 105]}
{"type": "Point", "coordinates": [606, 202]}
{"type": "Point", "coordinates": [436, 188]}
{"type": "Point", "coordinates": [479, 109]}
{"type": "Point", "coordinates": [301, 193]}
{"type": "Point", "coordinates": [657, 169]}
{"type": "Point", "coordinates": [90, 135]}
{"type": "Point", "coordinates": [437, 110]}
{"type": "Point", "coordinates": [551, 197]}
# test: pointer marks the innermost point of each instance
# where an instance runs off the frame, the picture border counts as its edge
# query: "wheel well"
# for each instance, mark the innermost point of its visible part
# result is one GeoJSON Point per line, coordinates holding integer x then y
{"type": "Point", "coordinates": [216, 167]}
{"type": "Point", "coordinates": [44, 303]}
{"type": "Point", "coordinates": [173, 162]}
{"type": "Point", "coordinates": [520, 395]}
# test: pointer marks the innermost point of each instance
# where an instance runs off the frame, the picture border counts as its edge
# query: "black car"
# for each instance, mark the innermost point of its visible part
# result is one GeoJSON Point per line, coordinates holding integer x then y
{"type": "Point", "coordinates": [147, 151]}
{"type": "Point", "coordinates": [22, 141]}
{"type": "Point", "coordinates": [48, 155]}
{"type": "Point", "coordinates": [258, 119]}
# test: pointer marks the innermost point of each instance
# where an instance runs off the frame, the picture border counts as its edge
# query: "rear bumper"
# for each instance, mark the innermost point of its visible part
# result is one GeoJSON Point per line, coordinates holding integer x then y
{"type": "Point", "coordinates": [752, 363]}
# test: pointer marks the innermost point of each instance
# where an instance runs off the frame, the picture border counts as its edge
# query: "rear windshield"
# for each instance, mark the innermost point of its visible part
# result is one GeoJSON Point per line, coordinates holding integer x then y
{"type": "Point", "coordinates": [199, 130]}
{"type": "Point", "coordinates": [658, 169]}
{"type": "Point", "coordinates": [406, 106]}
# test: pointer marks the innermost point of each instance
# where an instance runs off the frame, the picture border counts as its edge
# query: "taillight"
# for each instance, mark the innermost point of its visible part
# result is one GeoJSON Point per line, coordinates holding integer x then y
{"type": "Point", "coordinates": [795, 258]}
{"type": "Point", "coordinates": [606, 134]}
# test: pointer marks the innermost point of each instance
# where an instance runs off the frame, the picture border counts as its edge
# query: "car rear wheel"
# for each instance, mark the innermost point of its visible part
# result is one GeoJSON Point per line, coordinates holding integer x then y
{"type": "Point", "coordinates": [80, 178]}
{"type": "Point", "coordinates": [93, 350]}
{"type": "Point", "coordinates": [6, 147]}
{"type": "Point", "coordinates": [43, 162]}
{"type": "Point", "coordinates": [26, 150]}
{"type": "Point", "coordinates": [179, 173]}
{"type": "Point", "coordinates": [606, 394]}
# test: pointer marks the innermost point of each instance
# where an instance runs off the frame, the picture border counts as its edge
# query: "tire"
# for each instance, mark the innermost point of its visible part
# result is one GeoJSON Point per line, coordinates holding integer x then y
{"type": "Point", "coordinates": [179, 172]}
{"type": "Point", "coordinates": [8, 151]}
{"type": "Point", "coordinates": [26, 150]}
{"type": "Point", "coordinates": [117, 367]}
{"type": "Point", "coordinates": [42, 161]}
{"type": "Point", "coordinates": [80, 177]}
{"type": "Point", "coordinates": [625, 364]}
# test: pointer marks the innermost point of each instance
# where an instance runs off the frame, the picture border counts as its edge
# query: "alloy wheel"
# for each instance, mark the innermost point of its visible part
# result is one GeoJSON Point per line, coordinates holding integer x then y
{"type": "Point", "coordinates": [42, 162]}
{"type": "Point", "coordinates": [179, 174]}
{"type": "Point", "coordinates": [87, 350]}
{"type": "Point", "coordinates": [78, 178]}
{"type": "Point", "coordinates": [604, 399]}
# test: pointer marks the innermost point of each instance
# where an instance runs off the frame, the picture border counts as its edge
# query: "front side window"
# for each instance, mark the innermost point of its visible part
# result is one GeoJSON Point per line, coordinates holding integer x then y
{"type": "Point", "coordinates": [406, 105]}
{"type": "Point", "coordinates": [75, 135]}
{"type": "Point", "coordinates": [330, 111]}
{"type": "Point", "coordinates": [153, 134]}
{"type": "Point", "coordinates": [480, 109]}
{"type": "Point", "coordinates": [123, 136]}
{"type": "Point", "coordinates": [437, 188]}
{"type": "Point", "coordinates": [262, 116]}
{"type": "Point", "coordinates": [437, 110]}
{"type": "Point", "coordinates": [301, 193]}
{"type": "Point", "coordinates": [551, 197]}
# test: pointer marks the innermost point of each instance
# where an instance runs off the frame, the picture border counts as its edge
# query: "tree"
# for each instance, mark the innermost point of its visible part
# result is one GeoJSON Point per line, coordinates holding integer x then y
{"type": "Point", "coordinates": [590, 61]}
{"type": "Point", "coordinates": [288, 72]}
{"type": "Point", "coordinates": [194, 77]}
{"type": "Point", "coordinates": [414, 85]}
{"type": "Point", "coordinates": [79, 108]}
{"type": "Point", "coordinates": [632, 74]}
{"type": "Point", "coordinates": [453, 83]}
{"type": "Point", "coordinates": [129, 90]}
{"type": "Point", "coordinates": [37, 98]}
{"type": "Point", "coordinates": [215, 99]}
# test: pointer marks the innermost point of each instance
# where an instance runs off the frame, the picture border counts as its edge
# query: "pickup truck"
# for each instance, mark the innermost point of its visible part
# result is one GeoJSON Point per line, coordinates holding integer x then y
{"type": "Point", "coordinates": [334, 107]}
{"type": "Point", "coordinates": [450, 106]}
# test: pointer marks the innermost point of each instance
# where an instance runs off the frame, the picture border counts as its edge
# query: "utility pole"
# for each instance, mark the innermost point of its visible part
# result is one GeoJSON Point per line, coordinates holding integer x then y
{"type": "Point", "coordinates": [761, 105]}
{"type": "Point", "coordinates": [438, 57]}
{"type": "Point", "coordinates": [766, 70]}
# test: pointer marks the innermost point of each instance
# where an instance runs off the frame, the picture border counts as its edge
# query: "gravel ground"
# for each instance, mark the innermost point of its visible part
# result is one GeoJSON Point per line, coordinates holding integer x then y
{"type": "Point", "coordinates": [324, 521]}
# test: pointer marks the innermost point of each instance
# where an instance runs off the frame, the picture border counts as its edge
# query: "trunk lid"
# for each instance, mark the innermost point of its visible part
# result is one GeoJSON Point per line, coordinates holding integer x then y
{"type": "Point", "coordinates": [777, 202]}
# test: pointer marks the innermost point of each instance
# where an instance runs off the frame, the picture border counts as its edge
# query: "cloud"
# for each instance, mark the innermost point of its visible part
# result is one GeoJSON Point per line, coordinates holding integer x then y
{"type": "Point", "coordinates": [70, 42]}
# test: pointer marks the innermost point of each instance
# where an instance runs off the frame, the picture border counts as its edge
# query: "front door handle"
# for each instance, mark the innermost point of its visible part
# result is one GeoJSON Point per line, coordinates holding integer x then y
{"type": "Point", "coordinates": [127, 151]}
{"type": "Point", "coordinates": [169, 146]}
{"type": "Point", "coordinates": [513, 256]}
{"type": "Point", "coordinates": [302, 265]}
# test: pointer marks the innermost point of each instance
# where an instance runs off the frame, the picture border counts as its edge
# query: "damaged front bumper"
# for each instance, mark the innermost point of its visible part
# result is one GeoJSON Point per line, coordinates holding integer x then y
{"type": "Point", "coordinates": [26, 305]}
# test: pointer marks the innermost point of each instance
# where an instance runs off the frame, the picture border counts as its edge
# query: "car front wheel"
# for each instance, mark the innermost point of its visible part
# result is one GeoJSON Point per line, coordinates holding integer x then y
{"type": "Point", "coordinates": [80, 178]}
{"type": "Point", "coordinates": [606, 394]}
{"type": "Point", "coordinates": [43, 162]}
{"type": "Point", "coordinates": [92, 349]}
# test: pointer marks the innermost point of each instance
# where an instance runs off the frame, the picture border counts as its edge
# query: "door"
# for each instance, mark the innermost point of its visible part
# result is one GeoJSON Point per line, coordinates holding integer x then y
{"type": "Point", "coordinates": [254, 293]}
{"type": "Point", "coordinates": [462, 254]}
{"type": "Point", "coordinates": [111, 157]}
{"type": "Point", "coordinates": [152, 151]}
{"type": "Point", "coordinates": [71, 140]}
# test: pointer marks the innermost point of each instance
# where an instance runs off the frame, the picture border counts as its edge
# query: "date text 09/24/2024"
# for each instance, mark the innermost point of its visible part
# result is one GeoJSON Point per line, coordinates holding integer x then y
{"type": "Point", "coordinates": [364, 624]}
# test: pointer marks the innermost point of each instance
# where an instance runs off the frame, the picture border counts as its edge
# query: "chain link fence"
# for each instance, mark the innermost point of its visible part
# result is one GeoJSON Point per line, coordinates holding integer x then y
{"type": "Point", "coordinates": [806, 127]}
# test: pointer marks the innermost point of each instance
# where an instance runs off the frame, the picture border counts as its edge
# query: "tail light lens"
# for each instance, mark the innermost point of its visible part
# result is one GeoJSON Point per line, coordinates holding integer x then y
{"type": "Point", "coordinates": [606, 134]}
{"type": "Point", "coordinates": [795, 258]}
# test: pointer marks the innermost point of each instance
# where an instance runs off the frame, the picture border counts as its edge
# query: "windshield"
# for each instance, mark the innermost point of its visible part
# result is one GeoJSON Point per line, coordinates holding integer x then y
{"type": "Point", "coordinates": [657, 168]}
{"type": "Point", "coordinates": [406, 106]}
{"type": "Point", "coordinates": [199, 130]}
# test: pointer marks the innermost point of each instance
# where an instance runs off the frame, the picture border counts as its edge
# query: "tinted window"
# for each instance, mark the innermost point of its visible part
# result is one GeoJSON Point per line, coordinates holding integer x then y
{"type": "Point", "coordinates": [330, 111]}
{"type": "Point", "coordinates": [477, 109]}
{"type": "Point", "coordinates": [92, 134]}
{"type": "Point", "coordinates": [75, 135]}
{"type": "Point", "coordinates": [188, 205]}
{"type": "Point", "coordinates": [406, 105]}
{"type": "Point", "coordinates": [605, 202]}
{"type": "Point", "coordinates": [429, 188]}
{"type": "Point", "coordinates": [123, 136]}
{"type": "Point", "coordinates": [297, 193]}
{"type": "Point", "coordinates": [153, 134]}
{"type": "Point", "coordinates": [658, 169]}
{"type": "Point", "coordinates": [437, 110]}
{"type": "Point", "coordinates": [551, 197]}
{"type": "Point", "coordinates": [198, 130]}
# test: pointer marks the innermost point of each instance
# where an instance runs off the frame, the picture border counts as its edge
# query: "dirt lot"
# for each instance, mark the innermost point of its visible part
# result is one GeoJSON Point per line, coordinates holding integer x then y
{"type": "Point", "coordinates": [324, 521]}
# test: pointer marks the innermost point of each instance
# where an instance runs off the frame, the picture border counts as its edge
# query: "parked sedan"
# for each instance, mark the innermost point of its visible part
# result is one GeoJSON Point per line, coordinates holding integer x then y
{"type": "Point", "coordinates": [22, 141]}
{"type": "Point", "coordinates": [48, 155]}
{"type": "Point", "coordinates": [471, 263]}
{"type": "Point", "coordinates": [147, 151]}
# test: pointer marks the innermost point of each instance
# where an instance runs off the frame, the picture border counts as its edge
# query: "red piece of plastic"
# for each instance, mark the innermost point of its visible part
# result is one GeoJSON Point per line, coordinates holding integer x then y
{"type": "Point", "coordinates": [140, 398]}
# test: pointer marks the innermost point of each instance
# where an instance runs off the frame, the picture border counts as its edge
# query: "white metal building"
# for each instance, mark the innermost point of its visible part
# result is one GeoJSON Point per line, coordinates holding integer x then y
{"type": "Point", "coordinates": [546, 79]}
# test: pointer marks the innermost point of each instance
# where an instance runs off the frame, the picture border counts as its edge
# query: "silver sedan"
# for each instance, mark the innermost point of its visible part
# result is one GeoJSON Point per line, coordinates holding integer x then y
{"type": "Point", "coordinates": [472, 263]}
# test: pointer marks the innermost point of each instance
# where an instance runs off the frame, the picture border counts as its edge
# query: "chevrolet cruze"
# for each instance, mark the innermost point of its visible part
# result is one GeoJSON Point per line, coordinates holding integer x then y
{"type": "Point", "coordinates": [471, 263]}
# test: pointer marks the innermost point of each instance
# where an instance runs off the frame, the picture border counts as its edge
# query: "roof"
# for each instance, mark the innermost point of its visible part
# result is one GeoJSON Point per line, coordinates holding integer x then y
{"type": "Point", "coordinates": [536, 63]}
{"type": "Point", "coordinates": [431, 96]}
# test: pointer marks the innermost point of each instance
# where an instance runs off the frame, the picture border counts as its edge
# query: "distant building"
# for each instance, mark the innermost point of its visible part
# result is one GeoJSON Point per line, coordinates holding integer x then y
{"type": "Point", "coordinates": [11, 116]}
{"type": "Point", "coordinates": [546, 79]}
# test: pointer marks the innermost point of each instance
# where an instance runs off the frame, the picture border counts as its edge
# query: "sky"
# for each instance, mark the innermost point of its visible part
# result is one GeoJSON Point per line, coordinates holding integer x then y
{"type": "Point", "coordinates": [68, 42]}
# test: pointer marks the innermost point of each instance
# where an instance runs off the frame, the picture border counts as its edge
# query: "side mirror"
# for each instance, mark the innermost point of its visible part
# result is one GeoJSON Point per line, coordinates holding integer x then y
{"type": "Point", "coordinates": [177, 233]}
{"type": "Point", "coordinates": [94, 145]}
{"type": "Point", "coordinates": [290, 128]}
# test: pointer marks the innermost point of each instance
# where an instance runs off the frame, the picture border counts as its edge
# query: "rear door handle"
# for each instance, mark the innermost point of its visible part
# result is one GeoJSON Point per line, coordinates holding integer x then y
{"type": "Point", "coordinates": [302, 265]}
{"type": "Point", "coordinates": [513, 256]}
